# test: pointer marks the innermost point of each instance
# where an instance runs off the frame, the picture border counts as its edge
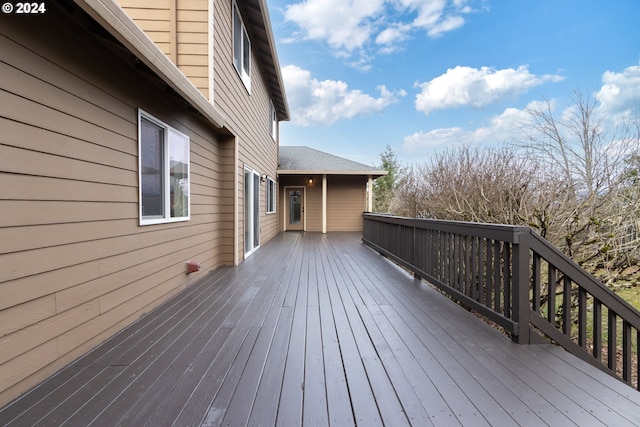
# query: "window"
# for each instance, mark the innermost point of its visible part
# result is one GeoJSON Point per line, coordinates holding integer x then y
{"type": "Point", "coordinates": [241, 48]}
{"type": "Point", "coordinates": [163, 165]}
{"type": "Point", "coordinates": [251, 211]}
{"type": "Point", "coordinates": [271, 196]}
{"type": "Point", "coordinates": [274, 122]}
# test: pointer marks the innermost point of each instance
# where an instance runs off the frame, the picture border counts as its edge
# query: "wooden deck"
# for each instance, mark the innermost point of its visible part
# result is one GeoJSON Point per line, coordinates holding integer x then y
{"type": "Point", "coordinates": [319, 330]}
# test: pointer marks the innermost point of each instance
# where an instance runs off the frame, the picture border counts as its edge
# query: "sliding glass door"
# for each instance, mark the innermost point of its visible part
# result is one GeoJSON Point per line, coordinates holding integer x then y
{"type": "Point", "coordinates": [251, 211]}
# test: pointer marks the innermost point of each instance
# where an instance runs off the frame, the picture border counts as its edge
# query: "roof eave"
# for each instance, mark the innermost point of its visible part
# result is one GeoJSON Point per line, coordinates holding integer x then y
{"type": "Point", "coordinates": [113, 19]}
{"type": "Point", "coordinates": [329, 172]}
{"type": "Point", "coordinates": [269, 57]}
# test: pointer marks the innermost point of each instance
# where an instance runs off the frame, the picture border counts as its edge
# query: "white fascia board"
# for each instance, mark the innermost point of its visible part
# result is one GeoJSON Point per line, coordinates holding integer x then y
{"type": "Point", "coordinates": [324, 172]}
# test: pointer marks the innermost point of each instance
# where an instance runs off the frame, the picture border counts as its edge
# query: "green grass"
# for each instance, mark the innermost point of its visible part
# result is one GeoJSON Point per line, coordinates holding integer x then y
{"type": "Point", "coordinates": [631, 295]}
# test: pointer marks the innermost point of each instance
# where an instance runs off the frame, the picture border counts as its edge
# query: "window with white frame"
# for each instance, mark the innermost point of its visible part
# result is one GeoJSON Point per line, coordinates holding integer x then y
{"type": "Point", "coordinates": [241, 48]}
{"type": "Point", "coordinates": [271, 196]}
{"type": "Point", "coordinates": [274, 121]}
{"type": "Point", "coordinates": [163, 167]}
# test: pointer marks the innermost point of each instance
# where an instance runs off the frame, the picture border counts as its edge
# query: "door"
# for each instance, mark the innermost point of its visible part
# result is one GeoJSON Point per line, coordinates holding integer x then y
{"type": "Point", "coordinates": [295, 209]}
{"type": "Point", "coordinates": [251, 211]}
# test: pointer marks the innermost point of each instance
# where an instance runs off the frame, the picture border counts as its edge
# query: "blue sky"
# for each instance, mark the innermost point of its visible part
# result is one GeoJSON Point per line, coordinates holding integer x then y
{"type": "Point", "coordinates": [425, 75]}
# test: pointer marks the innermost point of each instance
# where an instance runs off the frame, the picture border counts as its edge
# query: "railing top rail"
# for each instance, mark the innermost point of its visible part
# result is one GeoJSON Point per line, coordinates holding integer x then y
{"type": "Point", "coordinates": [549, 304]}
{"type": "Point", "coordinates": [585, 280]}
{"type": "Point", "coordinates": [506, 233]}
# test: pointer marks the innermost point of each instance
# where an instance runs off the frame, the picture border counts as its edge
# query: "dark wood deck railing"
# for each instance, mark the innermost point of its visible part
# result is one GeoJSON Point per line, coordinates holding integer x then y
{"type": "Point", "coordinates": [515, 278]}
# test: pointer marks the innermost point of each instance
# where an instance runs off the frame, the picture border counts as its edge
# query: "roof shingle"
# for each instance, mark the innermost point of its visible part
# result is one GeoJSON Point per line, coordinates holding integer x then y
{"type": "Point", "coordinates": [294, 159]}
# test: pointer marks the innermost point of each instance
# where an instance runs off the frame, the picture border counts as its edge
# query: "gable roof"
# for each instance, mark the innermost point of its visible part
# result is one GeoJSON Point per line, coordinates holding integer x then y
{"type": "Point", "coordinates": [305, 160]}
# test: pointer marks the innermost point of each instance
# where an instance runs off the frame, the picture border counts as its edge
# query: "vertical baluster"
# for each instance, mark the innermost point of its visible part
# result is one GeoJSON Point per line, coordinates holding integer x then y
{"type": "Point", "coordinates": [428, 253]}
{"type": "Point", "coordinates": [566, 306]}
{"type": "Point", "coordinates": [455, 266]}
{"type": "Point", "coordinates": [536, 282]}
{"type": "Point", "coordinates": [507, 279]}
{"type": "Point", "coordinates": [462, 267]}
{"type": "Point", "coordinates": [489, 268]}
{"type": "Point", "coordinates": [464, 264]}
{"type": "Point", "coordinates": [597, 329]}
{"type": "Point", "coordinates": [467, 266]}
{"type": "Point", "coordinates": [437, 235]}
{"type": "Point", "coordinates": [443, 256]}
{"type": "Point", "coordinates": [582, 318]}
{"type": "Point", "coordinates": [452, 264]}
{"type": "Point", "coordinates": [446, 259]}
{"type": "Point", "coordinates": [435, 249]}
{"type": "Point", "coordinates": [551, 293]}
{"type": "Point", "coordinates": [457, 263]}
{"type": "Point", "coordinates": [473, 271]}
{"type": "Point", "coordinates": [612, 340]}
{"type": "Point", "coordinates": [496, 274]}
{"type": "Point", "coordinates": [481, 269]}
{"type": "Point", "coordinates": [626, 352]}
{"type": "Point", "coordinates": [638, 359]}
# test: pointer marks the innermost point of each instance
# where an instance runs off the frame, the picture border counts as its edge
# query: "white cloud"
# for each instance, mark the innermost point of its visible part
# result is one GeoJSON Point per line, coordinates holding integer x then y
{"type": "Point", "coordinates": [619, 95]}
{"type": "Point", "coordinates": [450, 23]}
{"type": "Point", "coordinates": [325, 102]}
{"type": "Point", "coordinates": [501, 128]}
{"type": "Point", "coordinates": [466, 86]}
{"type": "Point", "coordinates": [393, 34]}
{"type": "Point", "coordinates": [349, 26]}
{"type": "Point", "coordinates": [619, 99]}
{"type": "Point", "coordinates": [436, 17]}
{"type": "Point", "coordinates": [344, 24]}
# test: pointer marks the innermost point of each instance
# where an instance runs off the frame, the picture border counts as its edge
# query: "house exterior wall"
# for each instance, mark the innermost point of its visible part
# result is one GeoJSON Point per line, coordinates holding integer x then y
{"type": "Point", "coordinates": [75, 266]}
{"type": "Point", "coordinates": [181, 29]}
{"type": "Point", "coordinates": [312, 201]}
{"type": "Point", "coordinates": [248, 117]}
{"type": "Point", "coordinates": [346, 200]}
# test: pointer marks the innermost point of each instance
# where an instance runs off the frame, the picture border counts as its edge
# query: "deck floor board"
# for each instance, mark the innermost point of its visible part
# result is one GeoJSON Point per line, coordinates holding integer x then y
{"type": "Point", "coordinates": [318, 329]}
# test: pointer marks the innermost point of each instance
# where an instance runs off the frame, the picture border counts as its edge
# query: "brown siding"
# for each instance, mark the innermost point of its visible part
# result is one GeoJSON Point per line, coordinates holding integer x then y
{"type": "Point", "coordinates": [313, 210]}
{"type": "Point", "coordinates": [313, 200]}
{"type": "Point", "coordinates": [157, 19]}
{"type": "Point", "coordinates": [181, 29]}
{"type": "Point", "coordinates": [346, 200]}
{"type": "Point", "coordinates": [247, 116]}
{"type": "Point", "coordinates": [229, 188]}
{"type": "Point", "coordinates": [75, 266]}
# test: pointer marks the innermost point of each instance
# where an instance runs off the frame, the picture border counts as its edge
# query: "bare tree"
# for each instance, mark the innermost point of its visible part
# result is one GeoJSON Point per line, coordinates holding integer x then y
{"type": "Point", "coordinates": [576, 182]}
{"type": "Point", "coordinates": [576, 146]}
{"type": "Point", "coordinates": [410, 195]}
{"type": "Point", "coordinates": [480, 185]}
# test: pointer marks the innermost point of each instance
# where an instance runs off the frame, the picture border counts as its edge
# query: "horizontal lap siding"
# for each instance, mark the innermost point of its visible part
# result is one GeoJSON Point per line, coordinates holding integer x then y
{"type": "Point", "coordinates": [193, 42]}
{"type": "Point", "coordinates": [313, 200]}
{"type": "Point", "coordinates": [155, 18]}
{"type": "Point", "coordinates": [229, 183]}
{"type": "Point", "coordinates": [247, 116]}
{"type": "Point", "coordinates": [313, 208]}
{"type": "Point", "coordinates": [75, 266]}
{"type": "Point", "coordinates": [181, 29]}
{"type": "Point", "coordinates": [346, 200]}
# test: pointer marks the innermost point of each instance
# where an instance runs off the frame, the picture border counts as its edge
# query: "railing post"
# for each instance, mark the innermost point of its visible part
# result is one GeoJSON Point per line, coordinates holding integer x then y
{"type": "Point", "coordinates": [520, 284]}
